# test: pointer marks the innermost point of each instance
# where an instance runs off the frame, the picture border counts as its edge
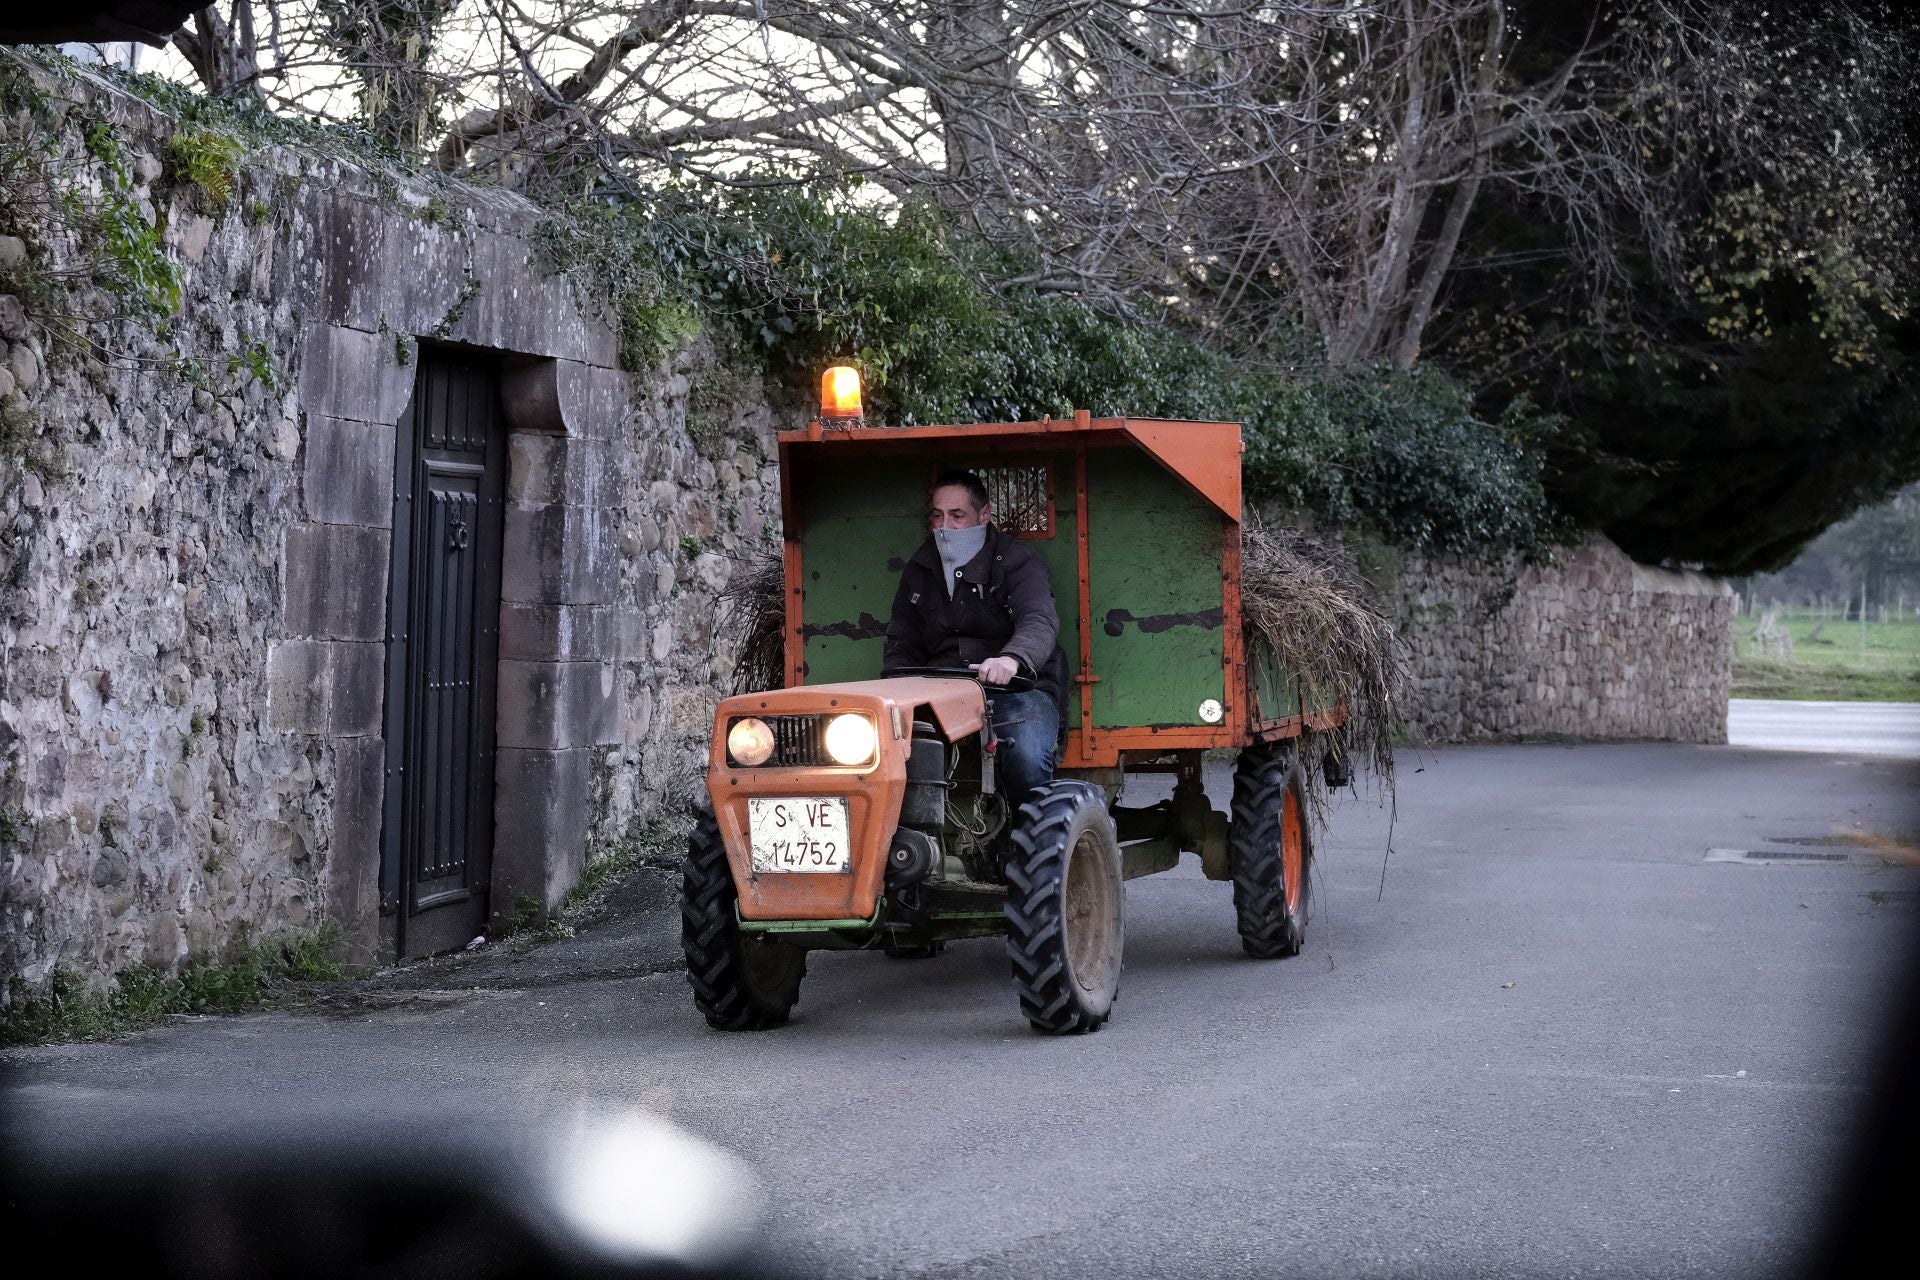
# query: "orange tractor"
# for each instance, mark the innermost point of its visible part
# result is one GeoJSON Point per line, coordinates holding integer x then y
{"type": "Point", "coordinates": [852, 813]}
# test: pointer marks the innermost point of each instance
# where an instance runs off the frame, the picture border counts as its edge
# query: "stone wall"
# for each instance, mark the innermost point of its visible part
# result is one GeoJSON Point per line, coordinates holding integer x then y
{"type": "Point", "coordinates": [194, 542]}
{"type": "Point", "coordinates": [1594, 646]}
{"type": "Point", "coordinates": [195, 517]}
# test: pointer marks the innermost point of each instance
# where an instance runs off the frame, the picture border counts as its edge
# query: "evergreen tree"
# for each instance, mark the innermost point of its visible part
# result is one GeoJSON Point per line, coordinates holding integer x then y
{"type": "Point", "coordinates": [1743, 378]}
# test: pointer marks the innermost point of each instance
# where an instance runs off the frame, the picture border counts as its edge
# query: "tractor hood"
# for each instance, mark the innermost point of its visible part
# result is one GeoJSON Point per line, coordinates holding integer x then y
{"type": "Point", "coordinates": [957, 706]}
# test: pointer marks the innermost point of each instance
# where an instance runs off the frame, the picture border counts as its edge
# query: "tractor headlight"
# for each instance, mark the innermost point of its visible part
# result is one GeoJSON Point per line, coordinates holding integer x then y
{"type": "Point", "coordinates": [750, 741]}
{"type": "Point", "coordinates": [851, 739]}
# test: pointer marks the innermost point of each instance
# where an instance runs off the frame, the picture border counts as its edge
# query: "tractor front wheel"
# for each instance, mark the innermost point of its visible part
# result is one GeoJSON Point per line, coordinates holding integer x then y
{"type": "Point", "coordinates": [740, 983]}
{"type": "Point", "coordinates": [1270, 852]}
{"type": "Point", "coordinates": [1065, 909]}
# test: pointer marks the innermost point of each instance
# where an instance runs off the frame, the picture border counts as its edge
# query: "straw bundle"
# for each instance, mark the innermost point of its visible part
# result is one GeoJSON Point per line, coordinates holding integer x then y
{"type": "Point", "coordinates": [752, 607]}
{"type": "Point", "coordinates": [1305, 606]}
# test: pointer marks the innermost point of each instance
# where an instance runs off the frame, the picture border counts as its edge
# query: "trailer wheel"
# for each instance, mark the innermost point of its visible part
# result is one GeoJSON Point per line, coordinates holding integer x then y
{"type": "Point", "coordinates": [740, 983]}
{"type": "Point", "coordinates": [1065, 909]}
{"type": "Point", "coordinates": [1270, 853]}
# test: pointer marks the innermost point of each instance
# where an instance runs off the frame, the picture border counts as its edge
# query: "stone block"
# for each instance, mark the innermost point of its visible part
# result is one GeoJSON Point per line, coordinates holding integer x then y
{"type": "Point", "coordinates": [359, 688]}
{"type": "Point", "coordinates": [331, 687]}
{"type": "Point", "coordinates": [539, 825]}
{"type": "Point", "coordinates": [632, 635]}
{"type": "Point", "coordinates": [566, 397]}
{"type": "Point", "coordinates": [556, 705]}
{"type": "Point", "coordinates": [556, 632]}
{"type": "Point", "coordinates": [383, 264]}
{"type": "Point", "coordinates": [556, 554]}
{"type": "Point", "coordinates": [340, 247]}
{"type": "Point", "coordinates": [353, 374]}
{"type": "Point", "coordinates": [514, 303]}
{"type": "Point", "coordinates": [334, 580]}
{"type": "Point", "coordinates": [693, 621]}
{"type": "Point", "coordinates": [353, 863]}
{"type": "Point", "coordinates": [548, 469]}
{"type": "Point", "coordinates": [349, 476]}
{"type": "Point", "coordinates": [299, 692]}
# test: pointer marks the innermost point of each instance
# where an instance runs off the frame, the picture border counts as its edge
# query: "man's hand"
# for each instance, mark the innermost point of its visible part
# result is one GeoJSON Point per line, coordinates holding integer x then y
{"type": "Point", "coordinates": [1000, 670]}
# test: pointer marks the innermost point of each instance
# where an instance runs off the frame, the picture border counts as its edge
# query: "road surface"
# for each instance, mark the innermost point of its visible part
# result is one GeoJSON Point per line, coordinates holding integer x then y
{"type": "Point", "coordinates": [1862, 728]}
{"type": "Point", "coordinates": [1550, 1035]}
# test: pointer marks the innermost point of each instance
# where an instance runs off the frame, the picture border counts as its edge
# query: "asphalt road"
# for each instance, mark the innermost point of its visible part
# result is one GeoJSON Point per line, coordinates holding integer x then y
{"type": "Point", "coordinates": [1558, 1040]}
{"type": "Point", "coordinates": [1864, 728]}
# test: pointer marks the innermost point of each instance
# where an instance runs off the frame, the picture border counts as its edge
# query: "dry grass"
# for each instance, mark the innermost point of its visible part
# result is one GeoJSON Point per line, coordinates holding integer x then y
{"type": "Point", "coordinates": [752, 607]}
{"type": "Point", "coordinates": [1305, 606]}
{"type": "Point", "coordinates": [1893, 851]}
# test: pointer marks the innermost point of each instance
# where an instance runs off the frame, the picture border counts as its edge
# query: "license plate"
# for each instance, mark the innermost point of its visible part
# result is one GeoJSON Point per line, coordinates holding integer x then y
{"type": "Point", "coordinates": [799, 833]}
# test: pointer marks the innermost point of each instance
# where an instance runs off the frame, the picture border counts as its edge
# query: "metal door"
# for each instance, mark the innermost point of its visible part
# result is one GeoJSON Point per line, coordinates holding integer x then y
{"type": "Point", "coordinates": [443, 640]}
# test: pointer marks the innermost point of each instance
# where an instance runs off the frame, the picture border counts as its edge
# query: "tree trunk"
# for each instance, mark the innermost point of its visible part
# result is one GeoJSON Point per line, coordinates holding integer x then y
{"type": "Point", "coordinates": [223, 54]}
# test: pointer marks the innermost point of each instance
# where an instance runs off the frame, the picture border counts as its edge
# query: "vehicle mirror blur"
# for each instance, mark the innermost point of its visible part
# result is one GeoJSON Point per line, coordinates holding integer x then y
{"type": "Point", "coordinates": [345, 1191]}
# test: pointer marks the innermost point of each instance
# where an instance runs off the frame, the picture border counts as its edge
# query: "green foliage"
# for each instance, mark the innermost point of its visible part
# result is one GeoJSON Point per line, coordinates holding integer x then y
{"type": "Point", "coordinates": [657, 845]}
{"type": "Point", "coordinates": [610, 256]}
{"type": "Point", "coordinates": [469, 290]}
{"type": "Point", "coordinates": [128, 255]}
{"type": "Point", "coordinates": [207, 159]}
{"type": "Point", "coordinates": [1728, 399]}
{"type": "Point", "coordinates": [123, 249]}
{"type": "Point", "coordinates": [252, 975]}
{"type": "Point", "coordinates": [802, 277]}
{"type": "Point", "coordinates": [1803, 682]}
{"type": "Point", "coordinates": [1735, 467]}
{"type": "Point", "coordinates": [713, 403]}
{"type": "Point", "coordinates": [249, 122]}
{"type": "Point", "coordinates": [255, 359]}
{"type": "Point", "coordinates": [1827, 657]}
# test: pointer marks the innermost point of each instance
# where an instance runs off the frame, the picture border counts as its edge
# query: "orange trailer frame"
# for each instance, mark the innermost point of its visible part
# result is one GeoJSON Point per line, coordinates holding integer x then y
{"type": "Point", "coordinates": [1205, 456]}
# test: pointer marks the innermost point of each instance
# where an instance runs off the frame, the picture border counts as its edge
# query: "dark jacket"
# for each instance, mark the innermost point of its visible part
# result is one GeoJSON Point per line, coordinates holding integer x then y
{"type": "Point", "coordinates": [1002, 604]}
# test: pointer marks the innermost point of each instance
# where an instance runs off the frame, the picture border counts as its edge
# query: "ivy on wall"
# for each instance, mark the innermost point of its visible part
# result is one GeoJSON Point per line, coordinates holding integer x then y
{"type": "Point", "coordinates": [794, 278]}
{"type": "Point", "coordinates": [789, 277]}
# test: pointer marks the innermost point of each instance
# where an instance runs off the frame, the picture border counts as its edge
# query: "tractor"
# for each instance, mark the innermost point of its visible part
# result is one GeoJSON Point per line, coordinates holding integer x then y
{"type": "Point", "coordinates": [851, 812]}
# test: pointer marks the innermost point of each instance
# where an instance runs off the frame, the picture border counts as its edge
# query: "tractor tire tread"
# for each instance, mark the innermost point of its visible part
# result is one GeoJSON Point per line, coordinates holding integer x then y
{"type": "Point", "coordinates": [710, 939]}
{"type": "Point", "coordinates": [1036, 945]}
{"type": "Point", "coordinates": [1268, 931]}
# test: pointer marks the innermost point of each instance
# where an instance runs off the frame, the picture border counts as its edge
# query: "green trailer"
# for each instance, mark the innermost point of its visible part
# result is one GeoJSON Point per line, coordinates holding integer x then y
{"type": "Point", "coordinates": [1139, 524]}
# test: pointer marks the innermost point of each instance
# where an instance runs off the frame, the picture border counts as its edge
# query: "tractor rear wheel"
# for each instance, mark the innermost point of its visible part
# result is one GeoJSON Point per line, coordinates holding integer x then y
{"type": "Point", "coordinates": [1065, 908]}
{"type": "Point", "coordinates": [1270, 853]}
{"type": "Point", "coordinates": [740, 983]}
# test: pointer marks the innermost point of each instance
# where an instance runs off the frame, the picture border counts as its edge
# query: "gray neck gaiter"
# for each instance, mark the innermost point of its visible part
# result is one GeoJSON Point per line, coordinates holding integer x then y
{"type": "Point", "coordinates": [957, 547]}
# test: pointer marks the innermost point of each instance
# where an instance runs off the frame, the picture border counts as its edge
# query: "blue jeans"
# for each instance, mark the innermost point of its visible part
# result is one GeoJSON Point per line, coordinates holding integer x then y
{"type": "Point", "coordinates": [1027, 728]}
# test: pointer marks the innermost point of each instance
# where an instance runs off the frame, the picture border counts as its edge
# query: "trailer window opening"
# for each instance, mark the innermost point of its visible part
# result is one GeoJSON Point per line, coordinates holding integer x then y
{"type": "Point", "coordinates": [1021, 498]}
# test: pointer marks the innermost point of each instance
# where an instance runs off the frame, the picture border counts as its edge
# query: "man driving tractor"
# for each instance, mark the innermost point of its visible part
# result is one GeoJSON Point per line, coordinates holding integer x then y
{"type": "Point", "coordinates": [975, 596]}
{"type": "Point", "coordinates": [902, 813]}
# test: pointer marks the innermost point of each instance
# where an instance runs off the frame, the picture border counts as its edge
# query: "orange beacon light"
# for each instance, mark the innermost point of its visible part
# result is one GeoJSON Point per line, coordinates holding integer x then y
{"type": "Point", "coordinates": [840, 393]}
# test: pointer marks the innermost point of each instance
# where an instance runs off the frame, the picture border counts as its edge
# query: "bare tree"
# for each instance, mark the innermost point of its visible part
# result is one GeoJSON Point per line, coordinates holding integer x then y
{"type": "Point", "coordinates": [222, 50]}
{"type": "Point", "coordinates": [1267, 168]}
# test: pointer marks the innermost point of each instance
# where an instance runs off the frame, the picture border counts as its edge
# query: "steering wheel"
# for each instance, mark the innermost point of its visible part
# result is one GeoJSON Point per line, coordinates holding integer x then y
{"type": "Point", "coordinates": [1019, 684]}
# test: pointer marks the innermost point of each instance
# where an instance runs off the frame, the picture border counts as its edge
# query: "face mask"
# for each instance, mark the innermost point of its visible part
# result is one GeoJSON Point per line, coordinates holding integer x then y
{"type": "Point", "coordinates": [957, 547]}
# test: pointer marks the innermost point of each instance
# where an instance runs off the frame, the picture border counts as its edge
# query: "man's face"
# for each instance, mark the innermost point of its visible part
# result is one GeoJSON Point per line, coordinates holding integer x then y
{"type": "Point", "coordinates": [953, 509]}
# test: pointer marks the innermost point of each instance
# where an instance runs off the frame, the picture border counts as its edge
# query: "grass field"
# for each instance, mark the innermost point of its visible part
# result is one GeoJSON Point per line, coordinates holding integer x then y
{"type": "Point", "coordinates": [1835, 660]}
